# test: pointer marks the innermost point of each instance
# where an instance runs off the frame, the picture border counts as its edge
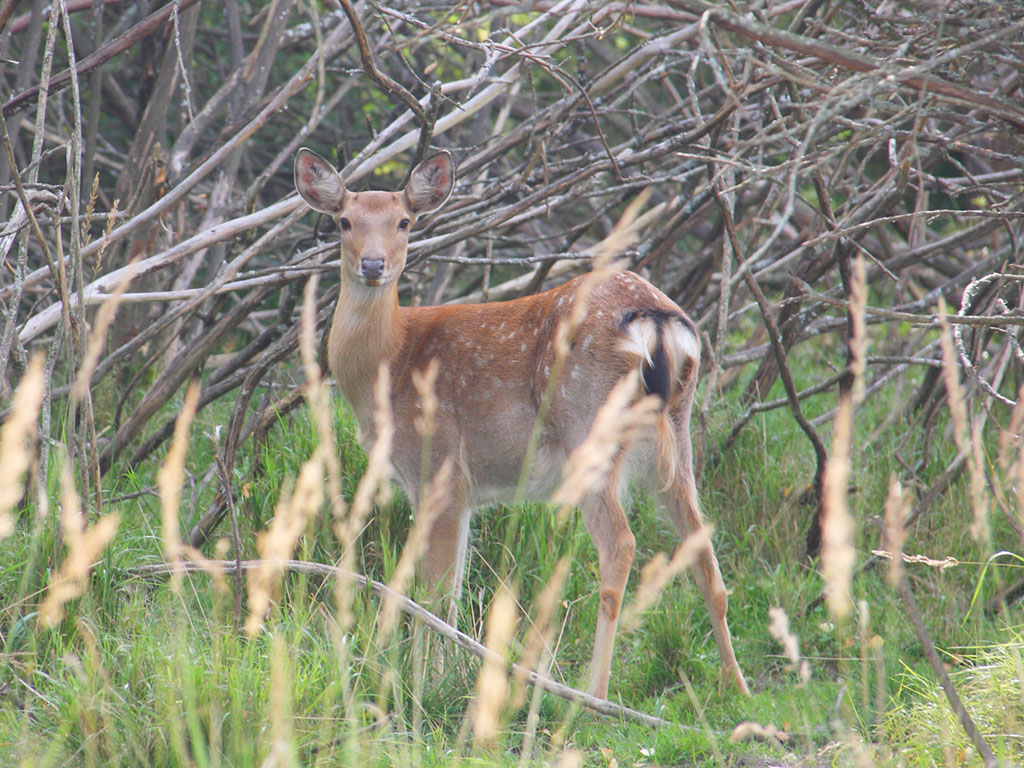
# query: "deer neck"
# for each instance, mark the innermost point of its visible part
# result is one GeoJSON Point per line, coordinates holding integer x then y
{"type": "Point", "coordinates": [367, 330]}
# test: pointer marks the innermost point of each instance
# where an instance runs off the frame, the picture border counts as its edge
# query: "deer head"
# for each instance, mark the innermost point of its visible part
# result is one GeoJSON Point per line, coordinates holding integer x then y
{"type": "Point", "coordinates": [374, 226]}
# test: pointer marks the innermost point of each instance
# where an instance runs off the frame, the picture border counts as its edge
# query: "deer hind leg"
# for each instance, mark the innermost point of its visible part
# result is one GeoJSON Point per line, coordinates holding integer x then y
{"type": "Point", "coordinates": [680, 500]}
{"type": "Point", "coordinates": [606, 521]}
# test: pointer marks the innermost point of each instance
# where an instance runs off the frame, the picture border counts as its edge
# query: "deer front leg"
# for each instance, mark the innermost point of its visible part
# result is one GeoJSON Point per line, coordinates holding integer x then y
{"type": "Point", "coordinates": [444, 560]}
{"type": "Point", "coordinates": [615, 543]}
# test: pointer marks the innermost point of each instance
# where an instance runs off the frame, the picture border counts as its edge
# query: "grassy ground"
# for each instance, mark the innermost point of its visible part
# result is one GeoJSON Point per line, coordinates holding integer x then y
{"type": "Point", "coordinates": [141, 672]}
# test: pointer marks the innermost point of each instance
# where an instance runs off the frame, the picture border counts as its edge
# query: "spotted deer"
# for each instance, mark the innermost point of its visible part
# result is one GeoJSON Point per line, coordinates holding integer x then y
{"type": "Point", "coordinates": [495, 364]}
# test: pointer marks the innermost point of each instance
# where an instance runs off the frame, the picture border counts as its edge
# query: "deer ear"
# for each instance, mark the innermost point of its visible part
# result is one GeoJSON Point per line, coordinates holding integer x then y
{"type": "Point", "coordinates": [430, 184]}
{"type": "Point", "coordinates": [318, 183]}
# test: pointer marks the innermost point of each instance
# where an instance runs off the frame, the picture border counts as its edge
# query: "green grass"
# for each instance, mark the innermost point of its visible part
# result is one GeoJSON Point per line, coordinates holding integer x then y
{"type": "Point", "coordinates": [137, 674]}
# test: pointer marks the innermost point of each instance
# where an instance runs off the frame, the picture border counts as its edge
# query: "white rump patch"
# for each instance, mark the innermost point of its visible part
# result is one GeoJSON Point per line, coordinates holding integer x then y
{"type": "Point", "coordinates": [641, 338]}
{"type": "Point", "coordinates": [685, 341]}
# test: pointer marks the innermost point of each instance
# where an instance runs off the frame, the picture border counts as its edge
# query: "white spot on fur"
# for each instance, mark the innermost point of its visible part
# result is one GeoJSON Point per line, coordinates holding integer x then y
{"type": "Point", "coordinates": [547, 370]}
{"type": "Point", "coordinates": [522, 346]}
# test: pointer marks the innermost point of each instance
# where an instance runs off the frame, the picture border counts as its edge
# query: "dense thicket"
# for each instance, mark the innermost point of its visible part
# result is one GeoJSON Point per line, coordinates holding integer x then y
{"type": "Point", "coordinates": [769, 146]}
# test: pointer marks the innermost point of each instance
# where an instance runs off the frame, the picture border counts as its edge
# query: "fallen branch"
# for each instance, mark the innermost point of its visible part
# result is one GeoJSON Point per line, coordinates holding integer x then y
{"type": "Point", "coordinates": [434, 623]}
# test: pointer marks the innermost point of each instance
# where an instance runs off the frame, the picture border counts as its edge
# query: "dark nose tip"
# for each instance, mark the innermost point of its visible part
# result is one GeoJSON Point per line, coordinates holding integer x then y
{"type": "Point", "coordinates": [371, 267]}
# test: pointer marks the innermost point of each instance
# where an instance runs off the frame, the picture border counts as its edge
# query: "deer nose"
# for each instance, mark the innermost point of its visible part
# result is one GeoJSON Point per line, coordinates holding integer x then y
{"type": "Point", "coordinates": [371, 267]}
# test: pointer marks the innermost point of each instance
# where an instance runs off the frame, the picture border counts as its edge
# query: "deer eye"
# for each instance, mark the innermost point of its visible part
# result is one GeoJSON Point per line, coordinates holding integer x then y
{"type": "Point", "coordinates": [345, 223]}
{"type": "Point", "coordinates": [403, 224]}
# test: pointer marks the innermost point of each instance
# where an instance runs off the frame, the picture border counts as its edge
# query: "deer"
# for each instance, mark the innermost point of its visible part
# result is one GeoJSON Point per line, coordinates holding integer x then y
{"type": "Point", "coordinates": [495, 361]}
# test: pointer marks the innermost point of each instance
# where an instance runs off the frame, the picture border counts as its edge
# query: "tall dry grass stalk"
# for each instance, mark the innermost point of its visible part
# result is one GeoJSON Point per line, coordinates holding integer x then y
{"type": "Point", "coordinates": [492, 687]}
{"type": "Point", "coordinates": [293, 512]}
{"type": "Point", "coordinates": [780, 630]}
{"type": "Point", "coordinates": [374, 487]}
{"type": "Point", "coordinates": [837, 549]}
{"type": "Point", "coordinates": [858, 328]}
{"type": "Point", "coordinates": [435, 499]}
{"type": "Point", "coordinates": [1011, 458]}
{"type": "Point", "coordinates": [282, 751]}
{"type": "Point", "coordinates": [1012, 438]}
{"type": "Point", "coordinates": [98, 336]}
{"type": "Point", "coordinates": [541, 632]}
{"type": "Point", "coordinates": [622, 418]}
{"type": "Point", "coordinates": [318, 397]}
{"type": "Point", "coordinates": [837, 529]}
{"type": "Point", "coordinates": [659, 572]}
{"type": "Point", "coordinates": [84, 545]}
{"type": "Point", "coordinates": [18, 440]}
{"type": "Point", "coordinates": [965, 435]}
{"type": "Point", "coordinates": [1018, 481]}
{"type": "Point", "coordinates": [170, 478]}
{"type": "Point", "coordinates": [425, 422]}
{"type": "Point", "coordinates": [538, 655]}
{"type": "Point", "coordinates": [603, 266]}
{"type": "Point", "coordinates": [894, 533]}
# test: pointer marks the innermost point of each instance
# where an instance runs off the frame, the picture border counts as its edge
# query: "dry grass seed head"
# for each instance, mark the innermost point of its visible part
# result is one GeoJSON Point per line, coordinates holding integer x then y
{"type": "Point", "coordinates": [979, 528]}
{"type": "Point", "coordinates": [780, 630]}
{"type": "Point", "coordinates": [619, 421]}
{"type": "Point", "coordinates": [318, 397]}
{"type": "Point", "coordinates": [84, 545]}
{"type": "Point", "coordinates": [1012, 438]}
{"type": "Point", "coordinates": [17, 441]}
{"type": "Point", "coordinates": [106, 241]}
{"type": "Point", "coordinates": [660, 571]}
{"type": "Point", "coordinates": [624, 234]}
{"type": "Point", "coordinates": [492, 682]}
{"type": "Point", "coordinates": [626, 230]}
{"type": "Point", "coordinates": [951, 380]}
{"type": "Point", "coordinates": [541, 630]}
{"type": "Point", "coordinates": [1018, 481]}
{"type": "Point", "coordinates": [858, 331]}
{"type": "Point", "coordinates": [276, 544]}
{"type": "Point", "coordinates": [169, 479]}
{"type": "Point", "coordinates": [966, 435]}
{"type": "Point", "coordinates": [282, 751]}
{"type": "Point", "coordinates": [435, 500]}
{"type": "Point", "coordinates": [375, 486]}
{"type": "Point", "coordinates": [837, 550]}
{"type": "Point", "coordinates": [894, 532]}
{"type": "Point", "coordinates": [425, 382]}
{"type": "Point", "coordinates": [751, 731]}
{"type": "Point", "coordinates": [98, 337]}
